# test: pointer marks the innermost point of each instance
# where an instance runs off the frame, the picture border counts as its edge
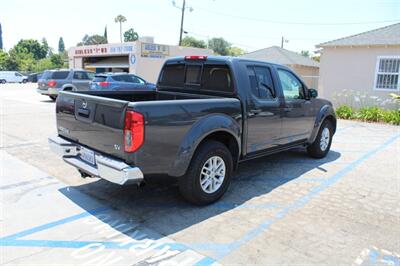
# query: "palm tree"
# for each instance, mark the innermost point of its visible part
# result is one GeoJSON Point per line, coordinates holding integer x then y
{"type": "Point", "coordinates": [120, 19]}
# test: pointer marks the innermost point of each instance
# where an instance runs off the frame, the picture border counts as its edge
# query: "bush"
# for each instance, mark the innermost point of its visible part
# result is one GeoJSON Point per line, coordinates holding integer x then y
{"type": "Point", "coordinates": [345, 112]}
{"type": "Point", "coordinates": [369, 114]}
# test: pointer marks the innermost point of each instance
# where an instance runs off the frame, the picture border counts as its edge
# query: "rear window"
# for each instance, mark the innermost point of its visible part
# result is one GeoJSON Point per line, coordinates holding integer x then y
{"type": "Point", "coordinates": [99, 79]}
{"type": "Point", "coordinates": [60, 74]}
{"type": "Point", "coordinates": [173, 75]}
{"type": "Point", "coordinates": [46, 75]}
{"type": "Point", "coordinates": [199, 77]}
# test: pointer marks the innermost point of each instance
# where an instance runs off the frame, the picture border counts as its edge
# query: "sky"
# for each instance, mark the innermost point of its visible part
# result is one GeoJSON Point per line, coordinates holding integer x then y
{"type": "Point", "coordinates": [250, 24]}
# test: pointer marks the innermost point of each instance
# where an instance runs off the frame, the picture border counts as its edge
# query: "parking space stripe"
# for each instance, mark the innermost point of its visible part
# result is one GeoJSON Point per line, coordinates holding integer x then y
{"type": "Point", "coordinates": [53, 224]}
{"type": "Point", "coordinates": [225, 249]}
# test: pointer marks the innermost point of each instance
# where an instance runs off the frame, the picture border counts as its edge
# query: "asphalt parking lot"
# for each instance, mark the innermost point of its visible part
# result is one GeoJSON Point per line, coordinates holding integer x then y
{"type": "Point", "coordinates": [282, 209]}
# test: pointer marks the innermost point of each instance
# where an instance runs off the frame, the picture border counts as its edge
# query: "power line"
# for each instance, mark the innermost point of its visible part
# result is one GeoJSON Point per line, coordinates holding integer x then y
{"type": "Point", "coordinates": [297, 23]}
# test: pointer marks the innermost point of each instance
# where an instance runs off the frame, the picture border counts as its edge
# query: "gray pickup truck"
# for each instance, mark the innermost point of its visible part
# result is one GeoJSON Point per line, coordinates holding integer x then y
{"type": "Point", "coordinates": [53, 81]}
{"type": "Point", "coordinates": [207, 115]}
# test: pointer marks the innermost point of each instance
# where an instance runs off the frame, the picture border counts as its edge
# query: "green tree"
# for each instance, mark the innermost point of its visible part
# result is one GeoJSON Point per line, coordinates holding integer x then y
{"type": "Point", "coordinates": [61, 45]}
{"type": "Point", "coordinates": [189, 41]}
{"type": "Point", "coordinates": [92, 40]}
{"type": "Point", "coordinates": [305, 53]}
{"type": "Point", "coordinates": [57, 60]}
{"type": "Point", "coordinates": [219, 45]}
{"type": "Point", "coordinates": [105, 34]}
{"type": "Point", "coordinates": [1, 38]}
{"type": "Point", "coordinates": [120, 19]}
{"type": "Point", "coordinates": [235, 51]}
{"type": "Point", "coordinates": [45, 46]}
{"type": "Point", "coordinates": [3, 59]}
{"type": "Point", "coordinates": [30, 47]}
{"type": "Point", "coordinates": [131, 35]}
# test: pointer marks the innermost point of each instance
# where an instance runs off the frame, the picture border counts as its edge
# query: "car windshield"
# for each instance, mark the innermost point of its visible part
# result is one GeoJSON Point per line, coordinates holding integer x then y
{"type": "Point", "coordinates": [99, 78]}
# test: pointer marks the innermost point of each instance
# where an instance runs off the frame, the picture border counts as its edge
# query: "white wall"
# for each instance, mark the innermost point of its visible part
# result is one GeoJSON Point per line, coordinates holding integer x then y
{"type": "Point", "coordinates": [347, 75]}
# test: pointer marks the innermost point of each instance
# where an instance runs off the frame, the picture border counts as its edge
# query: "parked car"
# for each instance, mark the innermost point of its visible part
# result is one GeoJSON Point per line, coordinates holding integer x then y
{"type": "Point", "coordinates": [120, 81]}
{"type": "Point", "coordinates": [34, 77]}
{"type": "Point", "coordinates": [12, 77]}
{"type": "Point", "coordinates": [207, 115]}
{"type": "Point", "coordinates": [54, 81]}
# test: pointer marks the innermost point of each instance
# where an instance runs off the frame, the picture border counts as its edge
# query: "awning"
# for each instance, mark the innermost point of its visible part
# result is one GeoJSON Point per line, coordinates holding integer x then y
{"type": "Point", "coordinates": [110, 62]}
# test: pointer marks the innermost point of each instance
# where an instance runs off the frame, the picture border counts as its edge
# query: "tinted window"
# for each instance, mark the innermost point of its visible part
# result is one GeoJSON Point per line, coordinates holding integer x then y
{"type": "Point", "coordinates": [80, 75]}
{"type": "Point", "coordinates": [60, 74]}
{"type": "Point", "coordinates": [193, 74]}
{"type": "Point", "coordinates": [90, 75]}
{"type": "Point", "coordinates": [18, 74]}
{"type": "Point", "coordinates": [134, 79]}
{"type": "Point", "coordinates": [216, 78]}
{"type": "Point", "coordinates": [173, 75]}
{"type": "Point", "coordinates": [291, 85]}
{"type": "Point", "coordinates": [261, 82]}
{"type": "Point", "coordinates": [99, 79]}
{"type": "Point", "coordinates": [46, 75]}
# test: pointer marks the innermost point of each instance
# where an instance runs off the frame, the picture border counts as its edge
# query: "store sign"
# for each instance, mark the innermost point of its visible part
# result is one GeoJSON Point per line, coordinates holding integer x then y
{"type": "Point", "coordinates": [154, 50]}
{"type": "Point", "coordinates": [104, 50]}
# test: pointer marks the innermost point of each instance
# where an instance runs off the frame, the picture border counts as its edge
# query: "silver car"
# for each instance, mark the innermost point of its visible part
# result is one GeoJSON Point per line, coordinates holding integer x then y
{"type": "Point", "coordinates": [54, 81]}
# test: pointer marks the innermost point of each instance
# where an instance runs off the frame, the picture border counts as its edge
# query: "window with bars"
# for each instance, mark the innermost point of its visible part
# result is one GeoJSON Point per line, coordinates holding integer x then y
{"type": "Point", "coordinates": [387, 73]}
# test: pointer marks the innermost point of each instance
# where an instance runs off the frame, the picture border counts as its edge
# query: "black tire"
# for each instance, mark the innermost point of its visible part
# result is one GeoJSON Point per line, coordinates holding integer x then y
{"type": "Point", "coordinates": [3, 81]}
{"type": "Point", "coordinates": [24, 81]}
{"type": "Point", "coordinates": [189, 184]}
{"type": "Point", "coordinates": [315, 149]}
{"type": "Point", "coordinates": [53, 97]}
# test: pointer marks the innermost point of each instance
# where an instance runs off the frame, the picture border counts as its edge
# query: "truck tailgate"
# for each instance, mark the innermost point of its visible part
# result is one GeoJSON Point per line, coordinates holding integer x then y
{"type": "Point", "coordinates": [92, 121]}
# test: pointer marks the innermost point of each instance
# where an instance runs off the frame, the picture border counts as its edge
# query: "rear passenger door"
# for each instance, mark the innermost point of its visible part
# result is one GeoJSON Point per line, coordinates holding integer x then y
{"type": "Point", "coordinates": [81, 80]}
{"type": "Point", "coordinates": [263, 111]}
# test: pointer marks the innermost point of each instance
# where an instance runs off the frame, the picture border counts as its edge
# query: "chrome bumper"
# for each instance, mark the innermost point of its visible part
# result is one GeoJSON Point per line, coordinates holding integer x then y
{"type": "Point", "coordinates": [49, 91]}
{"type": "Point", "coordinates": [115, 171]}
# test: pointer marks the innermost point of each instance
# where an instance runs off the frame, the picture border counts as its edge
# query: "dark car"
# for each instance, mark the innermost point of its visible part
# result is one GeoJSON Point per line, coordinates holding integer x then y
{"type": "Point", "coordinates": [120, 81]}
{"type": "Point", "coordinates": [34, 77]}
{"type": "Point", "coordinates": [207, 115]}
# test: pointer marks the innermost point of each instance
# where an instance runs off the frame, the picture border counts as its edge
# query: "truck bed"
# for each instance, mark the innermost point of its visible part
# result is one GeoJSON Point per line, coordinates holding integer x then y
{"type": "Point", "coordinates": [95, 120]}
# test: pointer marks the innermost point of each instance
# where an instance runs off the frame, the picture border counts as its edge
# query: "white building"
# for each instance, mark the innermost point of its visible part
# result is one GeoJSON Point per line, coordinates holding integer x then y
{"type": "Point", "coordinates": [143, 58]}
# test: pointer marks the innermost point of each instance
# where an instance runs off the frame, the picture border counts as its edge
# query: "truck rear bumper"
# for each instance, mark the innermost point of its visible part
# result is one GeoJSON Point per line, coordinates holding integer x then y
{"type": "Point", "coordinates": [49, 91]}
{"type": "Point", "coordinates": [105, 167]}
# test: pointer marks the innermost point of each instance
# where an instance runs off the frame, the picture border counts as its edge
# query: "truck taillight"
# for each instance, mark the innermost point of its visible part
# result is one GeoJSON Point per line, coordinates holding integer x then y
{"type": "Point", "coordinates": [51, 83]}
{"type": "Point", "coordinates": [133, 131]}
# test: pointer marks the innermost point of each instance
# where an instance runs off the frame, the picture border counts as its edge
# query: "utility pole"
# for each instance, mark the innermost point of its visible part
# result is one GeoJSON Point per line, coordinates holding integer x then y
{"type": "Point", "coordinates": [183, 17]}
{"type": "Point", "coordinates": [283, 40]}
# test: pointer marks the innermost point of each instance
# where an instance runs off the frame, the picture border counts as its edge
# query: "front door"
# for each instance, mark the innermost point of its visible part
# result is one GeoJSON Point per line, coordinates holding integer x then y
{"type": "Point", "coordinates": [298, 115]}
{"type": "Point", "coordinates": [263, 113]}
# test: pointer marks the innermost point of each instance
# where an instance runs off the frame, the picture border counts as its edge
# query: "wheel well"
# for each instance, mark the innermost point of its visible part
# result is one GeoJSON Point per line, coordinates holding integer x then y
{"type": "Point", "coordinates": [331, 119]}
{"type": "Point", "coordinates": [228, 140]}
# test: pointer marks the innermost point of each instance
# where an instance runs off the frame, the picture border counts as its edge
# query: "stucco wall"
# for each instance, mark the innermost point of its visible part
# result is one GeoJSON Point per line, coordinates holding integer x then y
{"type": "Point", "coordinates": [308, 74]}
{"type": "Point", "coordinates": [347, 75]}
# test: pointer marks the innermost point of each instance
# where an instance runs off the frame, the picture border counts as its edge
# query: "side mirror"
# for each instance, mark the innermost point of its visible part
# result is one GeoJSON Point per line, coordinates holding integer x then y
{"type": "Point", "coordinates": [313, 93]}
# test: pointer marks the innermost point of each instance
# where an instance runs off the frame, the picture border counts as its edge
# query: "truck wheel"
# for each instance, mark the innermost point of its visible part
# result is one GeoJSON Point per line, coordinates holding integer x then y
{"type": "Point", "coordinates": [322, 144]}
{"type": "Point", "coordinates": [209, 174]}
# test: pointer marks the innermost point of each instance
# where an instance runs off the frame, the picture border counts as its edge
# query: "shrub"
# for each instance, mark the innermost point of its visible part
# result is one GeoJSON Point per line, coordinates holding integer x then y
{"type": "Point", "coordinates": [345, 112]}
{"type": "Point", "coordinates": [371, 114]}
{"type": "Point", "coordinates": [391, 116]}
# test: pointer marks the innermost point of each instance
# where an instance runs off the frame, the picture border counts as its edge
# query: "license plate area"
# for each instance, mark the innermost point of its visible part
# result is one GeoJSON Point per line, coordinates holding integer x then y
{"type": "Point", "coordinates": [87, 155]}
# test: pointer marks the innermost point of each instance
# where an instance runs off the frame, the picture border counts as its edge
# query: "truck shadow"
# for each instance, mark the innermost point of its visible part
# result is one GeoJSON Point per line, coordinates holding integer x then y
{"type": "Point", "coordinates": [159, 206]}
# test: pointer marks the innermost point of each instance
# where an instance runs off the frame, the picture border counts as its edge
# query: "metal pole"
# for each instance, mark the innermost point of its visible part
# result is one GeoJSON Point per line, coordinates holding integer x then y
{"type": "Point", "coordinates": [183, 16]}
{"type": "Point", "coordinates": [282, 42]}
